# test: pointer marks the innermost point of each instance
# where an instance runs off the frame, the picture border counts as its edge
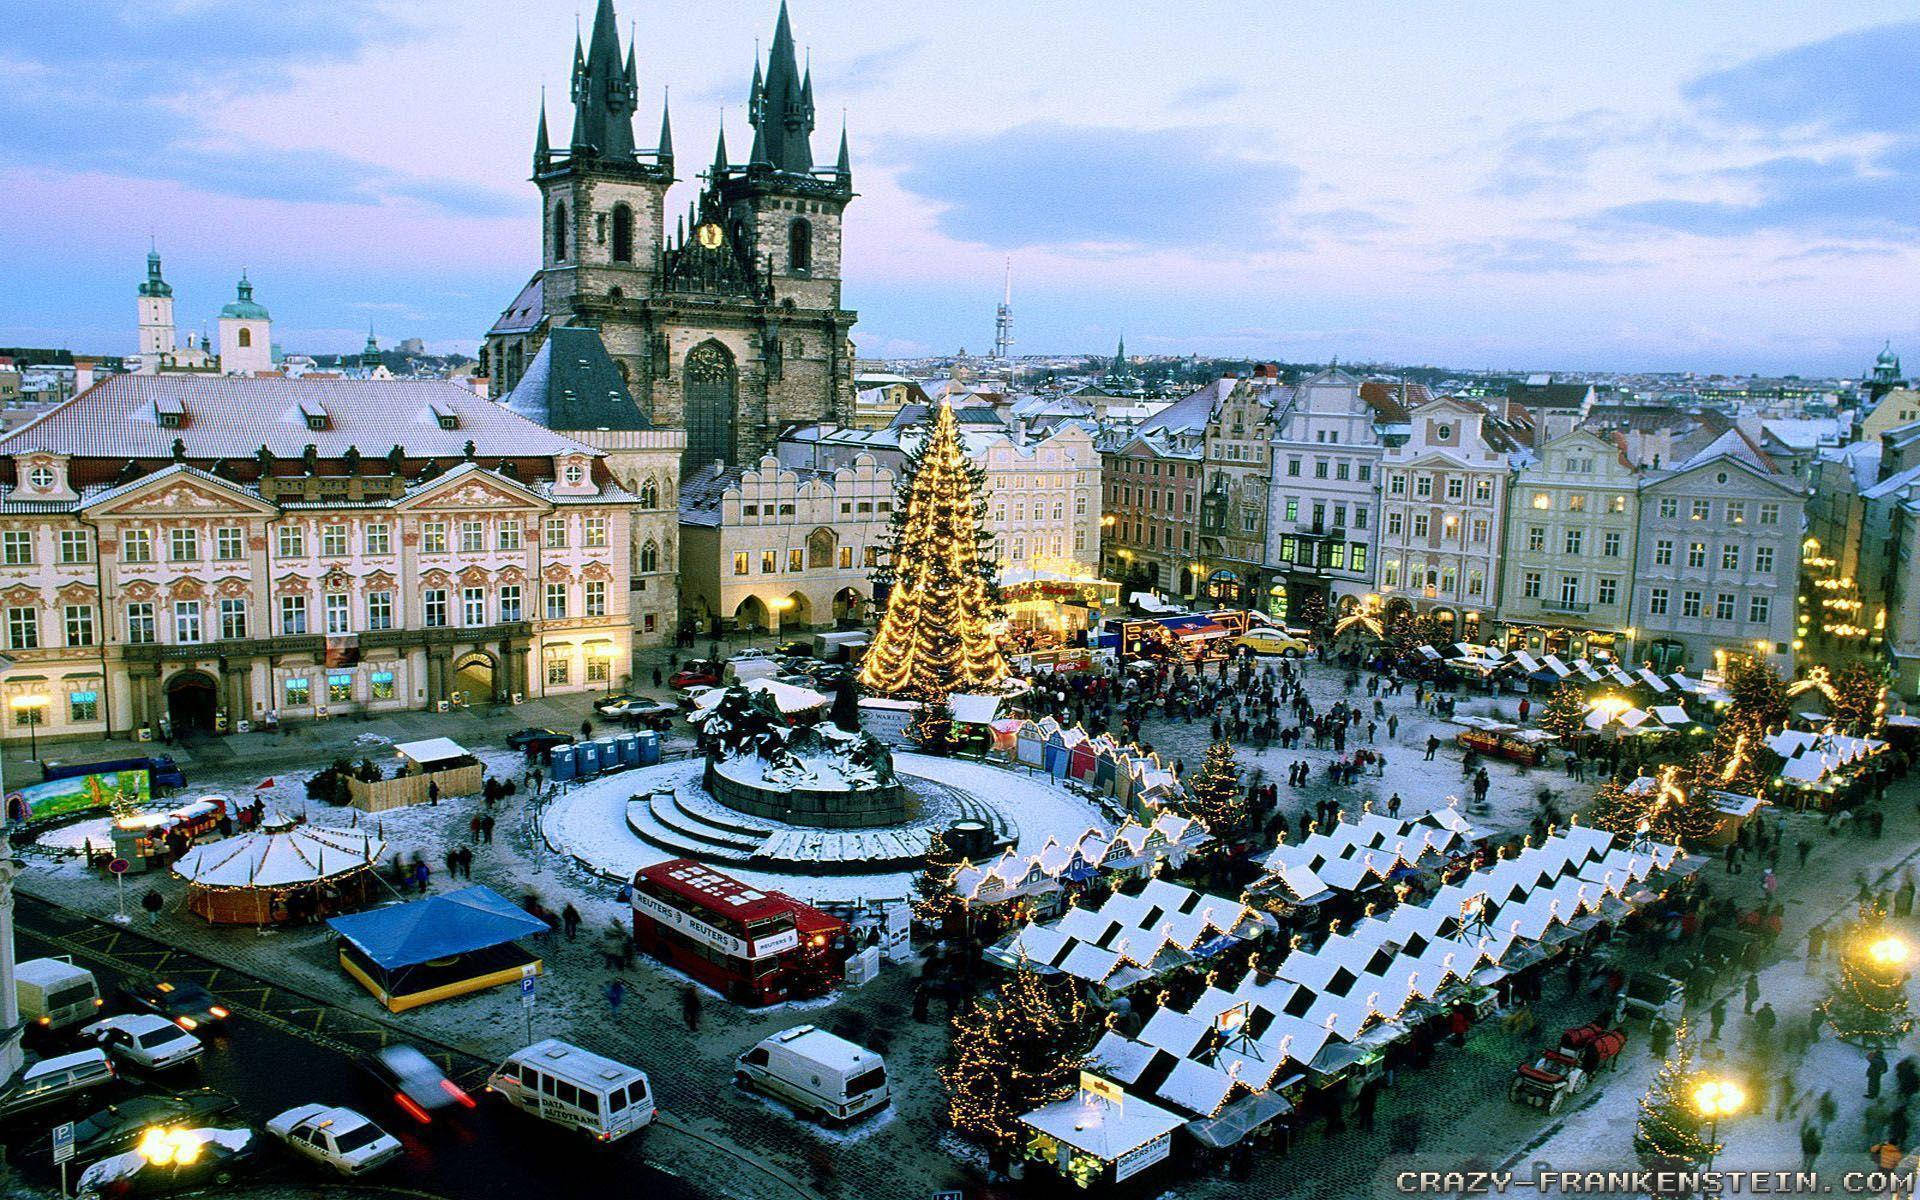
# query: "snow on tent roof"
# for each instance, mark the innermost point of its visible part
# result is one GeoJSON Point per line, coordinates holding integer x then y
{"type": "Point", "coordinates": [279, 855]}
{"type": "Point", "coordinates": [1653, 681]}
{"type": "Point", "coordinates": [428, 751]}
{"type": "Point", "coordinates": [441, 926]}
{"type": "Point", "coordinates": [1105, 1131]}
{"type": "Point", "coordinates": [973, 710]}
{"type": "Point", "coordinates": [1527, 661]}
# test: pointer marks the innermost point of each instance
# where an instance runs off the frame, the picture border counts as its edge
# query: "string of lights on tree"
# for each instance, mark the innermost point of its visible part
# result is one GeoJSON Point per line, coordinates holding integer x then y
{"type": "Point", "coordinates": [1671, 1131]}
{"type": "Point", "coordinates": [1019, 1049]}
{"type": "Point", "coordinates": [1867, 1002]}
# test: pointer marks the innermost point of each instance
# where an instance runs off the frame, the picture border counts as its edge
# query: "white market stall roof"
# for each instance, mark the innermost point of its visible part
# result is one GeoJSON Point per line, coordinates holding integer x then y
{"type": "Point", "coordinates": [1102, 1129]}
{"type": "Point", "coordinates": [280, 854]}
{"type": "Point", "coordinates": [428, 751]}
{"type": "Point", "coordinates": [1132, 938]}
{"type": "Point", "coordinates": [788, 697]}
{"type": "Point", "coordinates": [1149, 603]}
{"type": "Point", "coordinates": [973, 710]}
{"type": "Point", "coordinates": [1354, 854]}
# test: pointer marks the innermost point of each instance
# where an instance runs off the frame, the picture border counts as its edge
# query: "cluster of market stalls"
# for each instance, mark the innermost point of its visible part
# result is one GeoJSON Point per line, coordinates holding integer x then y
{"type": "Point", "coordinates": [1133, 938]}
{"type": "Point", "coordinates": [1048, 879]}
{"type": "Point", "coordinates": [1103, 765]}
{"type": "Point", "coordinates": [282, 871]}
{"type": "Point", "coordinates": [1520, 671]}
{"type": "Point", "coordinates": [1055, 602]}
{"type": "Point", "coordinates": [1365, 861]}
{"type": "Point", "coordinates": [1820, 768]}
{"type": "Point", "coordinates": [1243, 1058]}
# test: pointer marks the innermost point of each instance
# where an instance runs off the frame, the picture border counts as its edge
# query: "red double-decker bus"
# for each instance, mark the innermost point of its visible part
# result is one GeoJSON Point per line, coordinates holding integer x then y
{"type": "Point", "coordinates": [755, 946]}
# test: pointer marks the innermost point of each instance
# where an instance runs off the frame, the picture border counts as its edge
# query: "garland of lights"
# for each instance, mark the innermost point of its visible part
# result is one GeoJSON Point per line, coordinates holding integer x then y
{"type": "Point", "coordinates": [1670, 1131]}
{"type": "Point", "coordinates": [1565, 713]}
{"type": "Point", "coordinates": [1213, 796]}
{"type": "Point", "coordinates": [1016, 1051]}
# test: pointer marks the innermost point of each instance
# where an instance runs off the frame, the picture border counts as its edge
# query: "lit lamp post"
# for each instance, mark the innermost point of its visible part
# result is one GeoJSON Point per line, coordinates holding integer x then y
{"type": "Point", "coordinates": [774, 609]}
{"type": "Point", "coordinates": [27, 710]}
{"type": "Point", "coordinates": [1889, 951]}
{"type": "Point", "coordinates": [1713, 1099]}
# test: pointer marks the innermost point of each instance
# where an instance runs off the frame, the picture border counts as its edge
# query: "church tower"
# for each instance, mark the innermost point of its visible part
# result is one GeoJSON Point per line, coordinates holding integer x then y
{"type": "Point", "coordinates": [246, 334]}
{"type": "Point", "coordinates": [156, 317]}
{"type": "Point", "coordinates": [730, 327]}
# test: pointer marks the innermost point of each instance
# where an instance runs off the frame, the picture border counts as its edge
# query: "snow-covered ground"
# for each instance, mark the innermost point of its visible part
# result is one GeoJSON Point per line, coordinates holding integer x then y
{"type": "Point", "coordinates": [590, 822]}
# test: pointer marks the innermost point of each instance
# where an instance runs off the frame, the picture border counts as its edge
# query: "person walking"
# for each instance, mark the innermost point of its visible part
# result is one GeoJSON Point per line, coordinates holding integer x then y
{"type": "Point", "coordinates": [1717, 1015]}
{"type": "Point", "coordinates": [1659, 1037]}
{"type": "Point", "coordinates": [486, 830]}
{"type": "Point", "coordinates": [616, 992]}
{"type": "Point", "coordinates": [433, 791]}
{"type": "Point", "coordinates": [152, 902]}
{"type": "Point", "coordinates": [466, 862]}
{"type": "Point", "coordinates": [1876, 1067]}
{"type": "Point", "coordinates": [1810, 1146]}
{"type": "Point", "coordinates": [690, 1008]}
{"type": "Point", "coordinates": [1433, 744]}
{"type": "Point", "coordinates": [1751, 992]}
{"type": "Point", "coordinates": [570, 920]}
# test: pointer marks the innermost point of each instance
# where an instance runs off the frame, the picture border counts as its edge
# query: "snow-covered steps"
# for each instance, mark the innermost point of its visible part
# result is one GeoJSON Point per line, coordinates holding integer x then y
{"type": "Point", "coordinates": [648, 827]}
{"type": "Point", "coordinates": [827, 851]}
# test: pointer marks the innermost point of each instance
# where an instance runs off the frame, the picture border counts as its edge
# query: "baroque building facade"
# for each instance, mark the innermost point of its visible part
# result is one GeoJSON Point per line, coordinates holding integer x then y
{"type": "Point", "coordinates": [732, 327]}
{"type": "Point", "coordinates": [200, 551]}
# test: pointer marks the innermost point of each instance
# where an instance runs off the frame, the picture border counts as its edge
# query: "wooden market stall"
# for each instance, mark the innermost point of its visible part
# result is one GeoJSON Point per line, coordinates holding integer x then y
{"type": "Point", "coordinates": [280, 872]}
{"type": "Point", "coordinates": [428, 768]}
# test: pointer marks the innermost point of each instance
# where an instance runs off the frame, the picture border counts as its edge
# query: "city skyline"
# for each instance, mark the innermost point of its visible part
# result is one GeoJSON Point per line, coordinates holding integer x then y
{"type": "Point", "coordinates": [1364, 189]}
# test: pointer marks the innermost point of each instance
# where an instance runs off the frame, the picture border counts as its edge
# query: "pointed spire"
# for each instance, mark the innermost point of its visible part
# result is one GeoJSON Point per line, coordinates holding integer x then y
{"type": "Point", "coordinates": [783, 110]}
{"type": "Point", "coordinates": [665, 153]}
{"type": "Point", "coordinates": [844, 168]}
{"type": "Point", "coordinates": [542, 147]}
{"type": "Point", "coordinates": [719, 170]}
{"type": "Point", "coordinates": [604, 92]}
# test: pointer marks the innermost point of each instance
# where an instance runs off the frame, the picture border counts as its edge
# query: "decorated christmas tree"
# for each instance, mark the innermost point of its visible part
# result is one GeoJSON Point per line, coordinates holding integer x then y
{"type": "Point", "coordinates": [1758, 691]}
{"type": "Point", "coordinates": [937, 636]}
{"type": "Point", "coordinates": [936, 904]}
{"type": "Point", "coordinates": [1738, 759]}
{"type": "Point", "coordinates": [1867, 1004]}
{"type": "Point", "coordinates": [1565, 713]}
{"type": "Point", "coordinates": [1668, 811]}
{"type": "Point", "coordinates": [1859, 701]}
{"type": "Point", "coordinates": [1672, 1132]}
{"type": "Point", "coordinates": [1213, 796]}
{"type": "Point", "coordinates": [1017, 1050]}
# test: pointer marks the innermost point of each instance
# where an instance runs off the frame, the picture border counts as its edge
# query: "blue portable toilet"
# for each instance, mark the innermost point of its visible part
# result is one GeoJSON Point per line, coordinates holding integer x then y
{"type": "Point", "coordinates": [649, 742]}
{"type": "Point", "coordinates": [609, 754]}
{"type": "Point", "coordinates": [587, 756]}
{"type": "Point", "coordinates": [629, 744]}
{"type": "Point", "coordinates": [561, 765]}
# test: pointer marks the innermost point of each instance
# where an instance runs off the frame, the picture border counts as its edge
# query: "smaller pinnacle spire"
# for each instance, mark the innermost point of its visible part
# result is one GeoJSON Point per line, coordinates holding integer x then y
{"type": "Point", "coordinates": [720, 153]}
{"type": "Point", "coordinates": [844, 168]}
{"type": "Point", "coordinates": [542, 147]}
{"type": "Point", "coordinates": [666, 130]}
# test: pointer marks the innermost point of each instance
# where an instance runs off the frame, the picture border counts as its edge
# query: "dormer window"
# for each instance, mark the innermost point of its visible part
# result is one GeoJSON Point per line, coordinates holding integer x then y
{"type": "Point", "coordinates": [445, 417]}
{"type": "Point", "coordinates": [170, 413]}
{"type": "Point", "coordinates": [41, 478]}
{"type": "Point", "coordinates": [574, 474]}
{"type": "Point", "coordinates": [315, 415]}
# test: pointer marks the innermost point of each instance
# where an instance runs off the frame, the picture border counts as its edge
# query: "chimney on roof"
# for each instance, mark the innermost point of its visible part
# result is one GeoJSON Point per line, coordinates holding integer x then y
{"type": "Point", "coordinates": [82, 375]}
{"type": "Point", "coordinates": [1267, 371]}
{"type": "Point", "coordinates": [479, 384]}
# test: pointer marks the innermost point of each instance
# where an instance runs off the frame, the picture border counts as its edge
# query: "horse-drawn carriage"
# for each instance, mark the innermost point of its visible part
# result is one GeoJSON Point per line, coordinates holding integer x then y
{"type": "Point", "coordinates": [1549, 1078]}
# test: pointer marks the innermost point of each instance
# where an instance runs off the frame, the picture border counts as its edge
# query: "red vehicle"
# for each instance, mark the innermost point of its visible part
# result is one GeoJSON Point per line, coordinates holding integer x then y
{"type": "Point", "coordinates": [757, 947]}
{"type": "Point", "coordinates": [695, 674]}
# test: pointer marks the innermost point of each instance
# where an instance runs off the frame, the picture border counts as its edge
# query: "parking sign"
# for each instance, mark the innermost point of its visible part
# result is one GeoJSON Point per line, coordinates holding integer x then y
{"type": "Point", "coordinates": [63, 1142]}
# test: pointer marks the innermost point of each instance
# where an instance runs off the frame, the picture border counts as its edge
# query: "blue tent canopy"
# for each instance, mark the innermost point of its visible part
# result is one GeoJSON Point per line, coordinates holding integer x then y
{"type": "Point", "coordinates": [440, 926]}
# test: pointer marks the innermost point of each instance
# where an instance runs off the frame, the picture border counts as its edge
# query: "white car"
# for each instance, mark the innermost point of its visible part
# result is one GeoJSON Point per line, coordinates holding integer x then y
{"type": "Point", "coordinates": [750, 652]}
{"type": "Point", "coordinates": [339, 1137]}
{"type": "Point", "coordinates": [145, 1040]}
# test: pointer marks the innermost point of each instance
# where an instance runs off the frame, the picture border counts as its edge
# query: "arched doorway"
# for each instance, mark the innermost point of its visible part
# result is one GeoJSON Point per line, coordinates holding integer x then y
{"type": "Point", "coordinates": [1278, 602]}
{"type": "Point", "coordinates": [849, 604]}
{"type": "Point", "coordinates": [798, 613]}
{"type": "Point", "coordinates": [473, 677]}
{"type": "Point", "coordinates": [1223, 588]}
{"type": "Point", "coordinates": [751, 614]}
{"type": "Point", "coordinates": [708, 386]}
{"type": "Point", "coordinates": [192, 697]}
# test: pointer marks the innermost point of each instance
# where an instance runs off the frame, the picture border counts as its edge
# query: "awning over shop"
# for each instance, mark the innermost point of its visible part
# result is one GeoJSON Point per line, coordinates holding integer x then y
{"type": "Point", "coordinates": [442, 926]}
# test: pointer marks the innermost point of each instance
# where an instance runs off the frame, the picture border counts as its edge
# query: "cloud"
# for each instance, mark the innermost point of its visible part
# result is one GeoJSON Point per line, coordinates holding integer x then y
{"type": "Point", "coordinates": [1048, 184]}
{"type": "Point", "coordinates": [1351, 223]}
{"type": "Point", "coordinates": [1857, 82]}
{"type": "Point", "coordinates": [1530, 256]}
{"type": "Point", "coordinates": [1207, 91]}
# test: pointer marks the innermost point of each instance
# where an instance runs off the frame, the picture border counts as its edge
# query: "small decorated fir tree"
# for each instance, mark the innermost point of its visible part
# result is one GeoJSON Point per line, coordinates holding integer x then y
{"type": "Point", "coordinates": [1859, 700]}
{"type": "Point", "coordinates": [1565, 712]}
{"type": "Point", "coordinates": [1017, 1050]}
{"type": "Point", "coordinates": [936, 903]}
{"type": "Point", "coordinates": [1672, 1133]}
{"type": "Point", "coordinates": [1867, 1003]}
{"type": "Point", "coordinates": [1214, 797]}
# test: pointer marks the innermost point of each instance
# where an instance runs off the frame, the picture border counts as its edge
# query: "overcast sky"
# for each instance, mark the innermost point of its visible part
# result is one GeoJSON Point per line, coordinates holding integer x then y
{"type": "Point", "coordinates": [1540, 185]}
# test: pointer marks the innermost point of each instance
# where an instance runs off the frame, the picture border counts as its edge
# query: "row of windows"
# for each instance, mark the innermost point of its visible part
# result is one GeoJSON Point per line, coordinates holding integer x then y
{"type": "Point", "coordinates": [229, 542]}
{"type": "Point", "coordinates": [23, 626]}
{"type": "Point", "coordinates": [1479, 529]}
{"type": "Point", "coordinates": [1574, 541]}
{"type": "Point", "coordinates": [16, 547]}
{"type": "Point", "coordinates": [1455, 487]}
{"type": "Point", "coordinates": [1693, 604]}
{"type": "Point", "coordinates": [1577, 501]}
{"type": "Point", "coordinates": [1319, 511]}
{"type": "Point", "coordinates": [1142, 535]}
{"type": "Point", "coordinates": [1606, 589]}
{"type": "Point", "coordinates": [1731, 554]}
{"type": "Point", "coordinates": [1438, 579]}
{"type": "Point", "coordinates": [798, 559]}
{"type": "Point", "coordinates": [83, 705]}
{"type": "Point", "coordinates": [1766, 511]}
{"type": "Point", "coordinates": [1311, 552]}
{"type": "Point", "coordinates": [298, 690]}
{"type": "Point", "coordinates": [1058, 511]}
{"type": "Point", "coordinates": [1341, 468]}
{"type": "Point", "coordinates": [1124, 496]}
{"type": "Point", "coordinates": [1137, 466]}
{"type": "Point", "coordinates": [295, 615]}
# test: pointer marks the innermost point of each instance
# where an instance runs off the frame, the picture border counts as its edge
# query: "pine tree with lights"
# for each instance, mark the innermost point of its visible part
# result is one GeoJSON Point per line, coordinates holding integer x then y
{"type": "Point", "coordinates": [936, 636]}
{"type": "Point", "coordinates": [1669, 812]}
{"type": "Point", "coordinates": [1867, 1002]}
{"type": "Point", "coordinates": [1672, 1133]}
{"type": "Point", "coordinates": [1015, 1051]}
{"type": "Point", "coordinates": [1859, 701]}
{"type": "Point", "coordinates": [1758, 692]}
{"type": "Point", "coordinates": [1565, 713]}
{"type": "Point", "coordinates": [1213, 795]}
{"type": "Point", "coordinates": [1738, 759]}
{"type": "Point", "coordinates": [936, 903]}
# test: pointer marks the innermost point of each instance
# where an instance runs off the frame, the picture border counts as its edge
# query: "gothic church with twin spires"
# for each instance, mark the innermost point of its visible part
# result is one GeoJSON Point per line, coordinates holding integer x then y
{"type": "Point", "coordinates": [731, 325]}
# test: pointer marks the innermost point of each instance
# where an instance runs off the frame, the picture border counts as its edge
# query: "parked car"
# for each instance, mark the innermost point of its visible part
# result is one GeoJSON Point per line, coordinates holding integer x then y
{"type": "Point", "coordinates": [537, 741]}
{"type": "Point", "coordinates": [181, 1001]}
{"type": "Point", "coordinates": [166, 1160]}
{"type": "Point", "coordinates": [53, 993]}
{"type": "Point", "coordinates": [1272, 641]}
{"type": "Point", "coordinates": [414, 1082]}
{"type": "Point", "coordinates": [639, 710]}
{"type": "Point", "coordinates": [799, 649]}
{"type": "Point", "coordinates": [55, 1082]}
{"type": "Point", "coordinates": [823, 1076]}
{"type": "Point", "coordinates": [575, 1089]}
{"type": "Point", "coordinates": [338, 1137]}
{"type": "Point", "coordinates": [695, 674]}
{"type": "Point", "coordinates": [690, 699]}
{"type": "Point", "coordinates": [751, 652]}
{"type": "Point", "coordinates": [144, 1040]}
{"type": "Point", "coordinates": [608, 704]}
{"type": "Point", "coordinates": [117, 1127]}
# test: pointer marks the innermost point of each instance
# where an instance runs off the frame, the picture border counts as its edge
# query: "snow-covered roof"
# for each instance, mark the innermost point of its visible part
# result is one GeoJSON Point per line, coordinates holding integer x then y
{"type": "Point", "coordinates": [430, 750]}
{"type": "Point", "coordinates": [1103, 1129]}
{"type": "Point", "coordinates": [280, 854]}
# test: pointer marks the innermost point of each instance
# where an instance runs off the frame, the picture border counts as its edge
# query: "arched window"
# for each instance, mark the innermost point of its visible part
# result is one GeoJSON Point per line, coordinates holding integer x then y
{"type": "Point", "coordinates": [820, 544]}
{"type": "Point", "coordinates": [649, 494]}
{"type": "Point", "coordinates": [246, 337]}
{"type": "Point", "coordinates": [649, 558]}
{"type": "Point", "coordinates": [622, 233]}
{"type": "Point", "coordinates": [800, 245]}
{"type": "Point", "coordinates": [560, 232]}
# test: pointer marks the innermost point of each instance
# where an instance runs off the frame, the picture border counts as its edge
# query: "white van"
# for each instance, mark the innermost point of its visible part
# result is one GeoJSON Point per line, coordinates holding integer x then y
{"type": "Point", "coordinates": [54, 994]}
{"type": "Point", "coordinates": [52, 1080]}
{"type": "Point", "coordinates": [575, 1089]}
{"type": "Point", "coordinates": [824, 1077]}
{"type": "Point", "coordinates": [844, 646]}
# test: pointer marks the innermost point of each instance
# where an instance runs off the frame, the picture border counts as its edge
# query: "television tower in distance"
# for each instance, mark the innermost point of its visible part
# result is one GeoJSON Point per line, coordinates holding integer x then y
{"type": "Point", "coordinates": [1003, 320]}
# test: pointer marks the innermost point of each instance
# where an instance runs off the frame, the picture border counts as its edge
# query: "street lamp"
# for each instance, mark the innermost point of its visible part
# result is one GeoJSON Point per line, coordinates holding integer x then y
{"type": "Point", "coordinates": [1716, 1098]}
{"type": "Point", "coordinates": [774, 609]}
{"type": "Point", "coordinates": [27, 710]}
{"type": "Point", "coordinates": [1889, 951]}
